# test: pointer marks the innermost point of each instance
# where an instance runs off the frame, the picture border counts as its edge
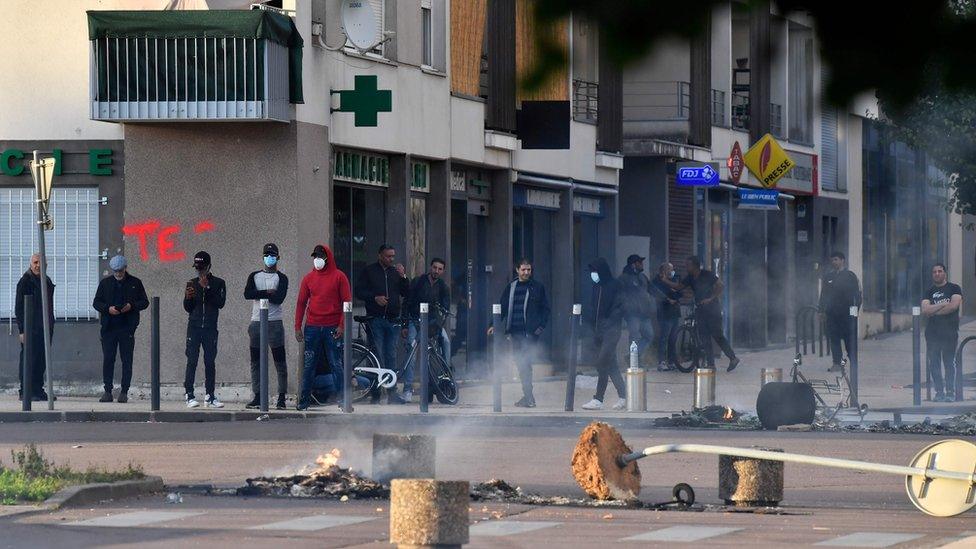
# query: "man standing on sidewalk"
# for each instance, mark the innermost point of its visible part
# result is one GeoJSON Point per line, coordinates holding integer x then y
{"type": "Point", "coordinates": [430, 288]}
{"type": "Point", "coordinates": [637, 304]}
{"type": "Point", "coordinates": [668, 313]}
{"type": "Point", "coordinates": [118, 300]}
{"type": "Point", "coordinates": [203, 299]}
{"type": "Point", "coordinates": [270, 284]}
{"type": "Point", "coordinates": [604, 315]}
{"type": "Point", "coordinates": [320, 296]}
{"type": "Point", "coordinates": [941, 304]}
{"type": "Point", "coordinates": [525, 314]}
{"type": "Point", "coordinates": [839, 292]}
{"type": "Point", "coordinates": [30, 284]}
{"type": "Point", "coordinates": [380, 286]}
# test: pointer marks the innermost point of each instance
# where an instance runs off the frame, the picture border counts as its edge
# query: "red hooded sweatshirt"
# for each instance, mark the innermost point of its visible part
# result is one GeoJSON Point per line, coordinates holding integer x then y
{"type": "Point", "coordinates": [322, 294]}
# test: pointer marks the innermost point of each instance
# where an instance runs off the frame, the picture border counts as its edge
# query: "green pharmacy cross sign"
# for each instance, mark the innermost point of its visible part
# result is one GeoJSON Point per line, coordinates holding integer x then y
{"type": "Point", "coordinates": [365, 101]}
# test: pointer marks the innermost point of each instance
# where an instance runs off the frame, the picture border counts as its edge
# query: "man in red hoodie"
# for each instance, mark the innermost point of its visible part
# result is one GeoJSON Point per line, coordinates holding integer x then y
{"type": "Point", "coordinates": [321, 295]}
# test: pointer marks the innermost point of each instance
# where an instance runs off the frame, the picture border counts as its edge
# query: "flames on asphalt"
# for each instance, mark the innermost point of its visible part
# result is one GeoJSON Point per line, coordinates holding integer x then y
{"type": "Point", "coordinates": [325, 479]}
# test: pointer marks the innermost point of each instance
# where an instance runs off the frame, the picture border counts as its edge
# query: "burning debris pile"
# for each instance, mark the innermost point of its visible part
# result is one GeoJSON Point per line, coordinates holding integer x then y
{"type": "Point", "coordinates": [497, 490]}
{"type": "Point", "coordinates": [961, 425]}
{"type": "Point", "coordinates": [326, 480]}
{"type": "Point", "coordinates": [711, 416]}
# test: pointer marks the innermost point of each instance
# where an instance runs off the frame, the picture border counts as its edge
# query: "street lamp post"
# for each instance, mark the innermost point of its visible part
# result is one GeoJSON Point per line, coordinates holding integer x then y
{"type": "Point", "coordinates": [42, 172]}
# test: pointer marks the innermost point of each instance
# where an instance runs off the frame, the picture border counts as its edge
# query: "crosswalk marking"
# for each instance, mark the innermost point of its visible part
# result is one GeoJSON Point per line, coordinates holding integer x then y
{"type": "Point", "coordinates": [138, 518]}
{"type": "Point", "coordinates": [683, 533]}
{"type": "Point", "coordinates": [508, 527]}
{"type": "Point", "coordinates": [869, 539]}
{"type": "Point", "coordinates": [312, 523]}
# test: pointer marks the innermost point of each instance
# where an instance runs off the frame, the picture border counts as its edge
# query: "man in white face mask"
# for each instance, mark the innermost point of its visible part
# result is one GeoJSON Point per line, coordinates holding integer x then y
{"type": "Point", "coordinates": [271, 284]}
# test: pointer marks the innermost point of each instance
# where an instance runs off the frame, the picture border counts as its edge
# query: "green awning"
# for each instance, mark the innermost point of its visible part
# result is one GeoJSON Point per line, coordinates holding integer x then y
{"type": "Point", "coordinates": [257, 24]}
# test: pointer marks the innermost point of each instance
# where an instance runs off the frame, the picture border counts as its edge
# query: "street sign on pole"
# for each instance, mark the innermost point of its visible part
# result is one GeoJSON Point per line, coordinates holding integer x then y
{"type": "Point", "coordinates": [696, 174]}
{"type": "Point", "coordinates": [43, 173]}
{"type": "Point", "coordinates": [735, 163]}
{"type": "Point", "coordinates": [767, 161]}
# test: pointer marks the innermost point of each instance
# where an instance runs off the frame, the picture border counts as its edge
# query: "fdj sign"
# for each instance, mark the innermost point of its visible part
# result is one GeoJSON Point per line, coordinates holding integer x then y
{"type": "Point", "coordinates": [12, 162]}
{"type": "Point", "coordinates": [696, 174]}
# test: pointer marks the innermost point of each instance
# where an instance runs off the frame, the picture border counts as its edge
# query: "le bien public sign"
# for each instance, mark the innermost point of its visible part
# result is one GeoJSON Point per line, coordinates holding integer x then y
{"type": "Point", "coordinates": [12, 162]}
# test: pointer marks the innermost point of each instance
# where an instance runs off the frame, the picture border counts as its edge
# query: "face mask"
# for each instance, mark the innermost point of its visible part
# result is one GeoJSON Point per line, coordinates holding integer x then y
{"type": "Point", "coordinates": [595, 277]}
{"type": "Point", "coordinates": [270, 261]}
{"type": "Point", "coordinates": [319, 263]}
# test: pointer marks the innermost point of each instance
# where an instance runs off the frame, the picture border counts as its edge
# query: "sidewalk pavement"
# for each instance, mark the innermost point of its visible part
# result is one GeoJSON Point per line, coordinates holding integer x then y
{"type": "Point", "coordinates": [885, 376]}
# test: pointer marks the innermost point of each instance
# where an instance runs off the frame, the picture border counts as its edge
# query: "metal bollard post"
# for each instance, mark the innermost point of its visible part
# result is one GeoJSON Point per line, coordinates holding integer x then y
{"type": "Point", "coordinates": [957, 373]}
{"type": "Point", "coordinates": [154, 356]}
{"type": "Point", "coordinates": [852, 352]}
{"type": "Point", "coordinates": [916, 357]}
{"type": "Point", "coordinates": [928, 383]}
{"type": "Point", "coordinates": [422, 358]}
{"type": "Point", "coordinates": [263, 312]}
{"type": "Point", "coordinates": [571, 367]}
{"type": "Point", "coordinates": [347, 357]}
{"type": "Point", "coordinates": [27, 371]}
{"type": "Point", "coordinates": [496, 371]}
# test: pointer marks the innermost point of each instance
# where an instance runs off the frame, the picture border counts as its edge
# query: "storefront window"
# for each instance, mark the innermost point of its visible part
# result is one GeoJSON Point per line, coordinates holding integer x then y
{"type": "Point", "coordinates": [359, 220]}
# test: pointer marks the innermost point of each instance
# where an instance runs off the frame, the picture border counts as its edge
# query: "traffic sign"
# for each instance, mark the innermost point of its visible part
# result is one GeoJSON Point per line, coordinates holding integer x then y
{"type": "Point", "coordinates": [696, 174]}
{"type": "Point", "coordinates": [735, 163]}
{"type": "Point", "coordinates": [767, 161]}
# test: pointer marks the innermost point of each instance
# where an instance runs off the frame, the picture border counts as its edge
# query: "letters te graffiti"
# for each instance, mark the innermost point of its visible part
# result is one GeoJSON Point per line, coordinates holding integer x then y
{"type": "Point", "coordinates": [167, 249]}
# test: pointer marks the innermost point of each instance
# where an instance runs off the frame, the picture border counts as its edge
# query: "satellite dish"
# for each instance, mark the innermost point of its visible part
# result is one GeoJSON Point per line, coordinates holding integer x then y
{"type": "Point", "coordinates": [359, 24]}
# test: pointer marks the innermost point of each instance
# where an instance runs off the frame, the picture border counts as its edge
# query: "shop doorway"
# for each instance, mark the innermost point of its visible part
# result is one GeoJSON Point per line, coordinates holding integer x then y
{"type": "Point", "coordinates": [532, 238]}
{"type": "Point", "coordinates": [359, 226]}
{"type": "Point", "coordinates": [470, 296]}
{"type": "Point", "coordinates": [586, 248]}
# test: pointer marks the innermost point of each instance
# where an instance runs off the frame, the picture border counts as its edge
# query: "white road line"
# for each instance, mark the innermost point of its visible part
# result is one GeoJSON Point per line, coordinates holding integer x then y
{"type": "Point", "coordinates": [869, 539]}
{"type": "Point", "coordinates": [683, 533]}
{"type": "Point", "coordinates": [312, 523]}
{"type": "Point", "coordinates": [508, 527]}
{"type": "Point", "coordinates": [138, 518]}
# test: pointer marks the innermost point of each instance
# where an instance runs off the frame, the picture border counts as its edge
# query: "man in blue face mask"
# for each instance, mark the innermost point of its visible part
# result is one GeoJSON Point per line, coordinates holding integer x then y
{"type": "Point", "coordinates": [271, 284]}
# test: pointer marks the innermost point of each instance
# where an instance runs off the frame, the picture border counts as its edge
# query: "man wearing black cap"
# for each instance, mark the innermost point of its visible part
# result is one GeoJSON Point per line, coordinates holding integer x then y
{"type": "Point", "coordinates": [271, 284]}
{"type": "Point", "coordinates": [204, 297]}
{"type": "Point", "coordinates": [118, 300]}
{"type": "Point", "coordinates": [637, 304]}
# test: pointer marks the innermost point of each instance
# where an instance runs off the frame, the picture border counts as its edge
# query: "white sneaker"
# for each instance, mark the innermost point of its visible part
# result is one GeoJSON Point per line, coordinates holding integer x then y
{"type": "Point", "coordinates": [212, 402]}
{"type": "Point", "coordinates": [191, 402]}
{"type": "Point", "coordinates": [408, 395]}
{"type": "Point", "coordinates": [593, 405]}
{"type": "Point", "coordinates": [621, 404]}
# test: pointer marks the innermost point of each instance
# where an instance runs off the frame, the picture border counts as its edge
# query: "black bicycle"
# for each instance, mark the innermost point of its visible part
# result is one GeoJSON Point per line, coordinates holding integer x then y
{"type": "Point", "coordinates": [685, 348]}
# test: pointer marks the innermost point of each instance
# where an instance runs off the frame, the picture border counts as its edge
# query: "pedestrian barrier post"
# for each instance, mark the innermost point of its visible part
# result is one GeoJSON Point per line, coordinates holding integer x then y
{"type": "Point", "coordinates": [422, 358]}
{"type": "Point", "coordinates": [928, 383]}
{"type": "Point", "coordinates": [957, 381]}
{"type": "Point", "coordinates": [853, 356]}
{"type": "Point", "coordinates": [571, 368]}
{"type": "Point", "coordinates": [27, 372]}
{"type": "Point", "coordinates": [154, 356]}
{"type": "Point", "coordinates": [916, 358]}
{"type": "Point", "coordinates": [347, 357]}
{"type": "Point", "coordinates": [263, 312]}
{"type": "Point", "coordinates": [496, 371]}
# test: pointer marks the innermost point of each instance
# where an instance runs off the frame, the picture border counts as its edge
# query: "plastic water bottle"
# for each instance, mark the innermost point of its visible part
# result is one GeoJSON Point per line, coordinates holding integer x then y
{"type": "Point", "coordinates": [633, 356]}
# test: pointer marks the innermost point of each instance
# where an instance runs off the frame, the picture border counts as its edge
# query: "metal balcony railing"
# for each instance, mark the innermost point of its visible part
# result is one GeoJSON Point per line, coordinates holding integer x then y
{"type": "Point", "coordinates": [656, 101]}
{"type": "Point", "coordinates": [585, 100]}
{"type": "Point", "coordinates": [740, 111]}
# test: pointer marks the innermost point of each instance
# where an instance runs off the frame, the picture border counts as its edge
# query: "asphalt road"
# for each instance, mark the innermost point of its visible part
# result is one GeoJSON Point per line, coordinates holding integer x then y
{"type": "Point", "coordinates": [821, 504]}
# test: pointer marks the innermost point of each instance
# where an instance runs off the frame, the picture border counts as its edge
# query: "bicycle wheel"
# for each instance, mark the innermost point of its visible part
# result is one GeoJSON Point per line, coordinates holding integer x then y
{"type": "Point", "coordinates": [684, 345]}
{"type": "Point", "coordinates": [362, 357]}
{"type": "Point", "coordinates": [442, 383]}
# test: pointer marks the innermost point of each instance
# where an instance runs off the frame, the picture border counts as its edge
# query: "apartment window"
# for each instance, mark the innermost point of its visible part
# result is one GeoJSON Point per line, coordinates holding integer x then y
{"type": "Point", "coordinates": [379, 13]}
{"type": "Point", "coordinates": [72, 248]}
{"type": "Point", "coordinates": [427, 24]}
{"type": "Point", "coordinates": [800, 85]}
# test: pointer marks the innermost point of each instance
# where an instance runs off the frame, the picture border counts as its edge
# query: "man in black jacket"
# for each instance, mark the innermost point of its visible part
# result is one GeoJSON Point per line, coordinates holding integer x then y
{"type": "Point", "coordinates": [30, 284]}
{"type": "Point", "coordinates": [204, 297]}
{"type": "Point", "coordinates": [380, 286]}
{"type": "Point", "coordinates": [636, 302]}
{"type": "Point", "coordinates": [606, 310]}
{"type": "Point", "coordinates": [430, 288]}
{"type": "Point", "coordinates": [271, 284]}
{"type": "Point", "coordinates": [525, 314]}
{"type": "Point", "coordinates": [118, 300]}
{"type": "Point", "coordinates": [840, 291]}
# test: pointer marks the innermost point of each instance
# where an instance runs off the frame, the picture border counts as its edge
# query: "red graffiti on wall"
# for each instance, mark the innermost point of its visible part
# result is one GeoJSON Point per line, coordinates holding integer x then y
{"type": "Point", "coordinates": [167, 249]}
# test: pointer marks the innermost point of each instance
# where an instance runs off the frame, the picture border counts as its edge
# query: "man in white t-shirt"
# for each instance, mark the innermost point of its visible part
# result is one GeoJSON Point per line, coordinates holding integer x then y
{"type": "Point", "coordinates": [271, 284]}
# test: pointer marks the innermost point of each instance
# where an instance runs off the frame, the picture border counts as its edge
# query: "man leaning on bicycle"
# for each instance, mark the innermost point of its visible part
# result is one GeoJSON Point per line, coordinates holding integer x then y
{"type": "Point", "coordinates": [427, 288]}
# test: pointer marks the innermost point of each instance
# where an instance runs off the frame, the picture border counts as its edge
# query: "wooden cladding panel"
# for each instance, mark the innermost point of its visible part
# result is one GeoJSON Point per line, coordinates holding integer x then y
{"type": "Point", "coordinates": [467, 38]}
{"type": "Point", "coordinates": [556, 87]}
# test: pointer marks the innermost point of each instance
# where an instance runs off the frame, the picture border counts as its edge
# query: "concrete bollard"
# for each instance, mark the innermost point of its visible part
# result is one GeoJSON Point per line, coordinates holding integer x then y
{"type": "Point", "coordinates": [429, 513]}
{"type": "Point", "coordinates": [403, 456]}
{"type": "Point", "coordinates": [750, 482]}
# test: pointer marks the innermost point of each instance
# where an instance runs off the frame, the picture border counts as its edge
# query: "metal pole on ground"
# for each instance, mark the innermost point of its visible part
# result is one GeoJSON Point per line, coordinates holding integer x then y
{"type": "Point", "coordinates": [422, 357]}
{"type": "Point", "coordinates": [154, 356]}
{"type": "Point", "coordinates": [916, 357]}
{"type": "Point", "coordinates": [496, 371]}
{"type": "Point", "coordinates": [27, 373]}
{"type": "Point", "coordinates": [571, 366]}
{"type": "Point", "coordinates": [852, 352]}
{"type": "Point", "coordinates": [347, 357]}
{"type": "Point", "coordinates": [263, 312]}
